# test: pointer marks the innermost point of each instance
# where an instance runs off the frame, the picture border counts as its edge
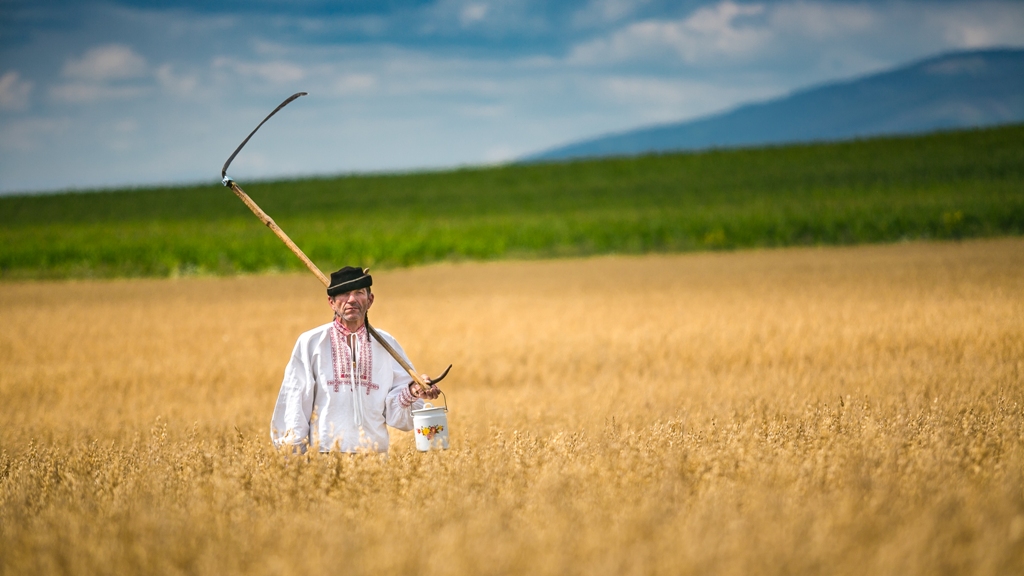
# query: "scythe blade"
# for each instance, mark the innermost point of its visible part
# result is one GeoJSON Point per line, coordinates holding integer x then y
{"type": "Point", "coordinates": [269, 222]}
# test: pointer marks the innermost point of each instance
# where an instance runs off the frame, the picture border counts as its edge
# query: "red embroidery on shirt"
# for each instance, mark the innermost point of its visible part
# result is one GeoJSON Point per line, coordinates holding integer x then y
{"type": "Point", "coordinates": [405, 397]}
{"type": "Point", "coordinates": [341, 357]}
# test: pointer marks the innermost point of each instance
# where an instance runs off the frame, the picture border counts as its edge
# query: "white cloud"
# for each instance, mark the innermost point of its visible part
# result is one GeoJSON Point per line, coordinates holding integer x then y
{"type": "Point", "coordinates": [85, 92]}
{"type": "Point", "coordinates": [272, 49]}
{"type": "Point", "coordinates": [110, 62]}
{"type": "Point", "coordinates": [452, 17]}
{"type": "Point", "coordinates": [837, 37]}
{"type": "Point", "coordinates": [600, 12]}
{"type": "Point", "coordinates": [180, 85]}
{"type": "Point", "coordinates": [353, 83]}
{"type": "Point", "coordinates": [101, 74]}
{"type": "Point", "coordinates": [708, 33]}
{"type": "Point", "coordinates": [472, 13]}
{"type": "Point", "coordinates": [274, 71]}
{"type": "Point", "coordinates": [822, 21]}
{"type": "Point", "coordinates": [14, 91]}
{"type": "Point", "coordinates": [979, 25]}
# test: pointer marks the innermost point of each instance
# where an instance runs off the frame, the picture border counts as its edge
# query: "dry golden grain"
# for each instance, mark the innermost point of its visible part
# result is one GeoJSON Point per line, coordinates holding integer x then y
{"type": "Point", "coordinates": [800, 411]}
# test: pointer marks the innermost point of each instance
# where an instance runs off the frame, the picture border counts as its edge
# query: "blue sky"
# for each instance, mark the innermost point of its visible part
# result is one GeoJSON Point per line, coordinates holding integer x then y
{"type": "Point", "coordinates": [97, 94]}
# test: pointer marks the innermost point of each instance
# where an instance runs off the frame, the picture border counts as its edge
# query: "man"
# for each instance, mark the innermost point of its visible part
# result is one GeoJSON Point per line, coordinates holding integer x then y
{"type": "Point", "coordinates": [341, 387]}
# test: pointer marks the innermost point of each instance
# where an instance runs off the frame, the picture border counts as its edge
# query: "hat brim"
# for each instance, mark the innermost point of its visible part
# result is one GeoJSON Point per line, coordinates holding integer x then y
{"type": "Point", "coordinates": [364, 281]}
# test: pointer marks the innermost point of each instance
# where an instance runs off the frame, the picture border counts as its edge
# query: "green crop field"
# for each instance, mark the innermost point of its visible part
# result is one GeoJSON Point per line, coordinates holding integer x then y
{"type": "Point", "coordinates": [948, 186]}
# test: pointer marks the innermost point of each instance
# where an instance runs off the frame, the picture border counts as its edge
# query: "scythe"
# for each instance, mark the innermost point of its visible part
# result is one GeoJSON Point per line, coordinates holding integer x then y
{"type": "Point", "coordinates": [269, 222]}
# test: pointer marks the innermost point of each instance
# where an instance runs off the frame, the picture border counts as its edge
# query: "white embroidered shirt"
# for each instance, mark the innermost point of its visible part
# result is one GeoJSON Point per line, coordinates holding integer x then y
{"type": "Point", "coordinates": [324, 403]}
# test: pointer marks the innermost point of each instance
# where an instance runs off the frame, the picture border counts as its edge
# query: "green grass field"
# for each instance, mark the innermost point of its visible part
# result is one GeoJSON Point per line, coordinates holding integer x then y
{"type": "Point", "coordinates": [947, 186]}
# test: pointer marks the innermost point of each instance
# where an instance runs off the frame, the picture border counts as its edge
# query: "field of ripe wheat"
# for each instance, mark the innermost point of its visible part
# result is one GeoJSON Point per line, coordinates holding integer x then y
{"type": "Point", "coordinates": [799, 411]}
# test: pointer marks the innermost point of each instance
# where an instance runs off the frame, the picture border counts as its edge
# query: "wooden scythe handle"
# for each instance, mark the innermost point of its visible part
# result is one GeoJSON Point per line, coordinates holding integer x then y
{"type": "Point", "coordinates": [266, 219]}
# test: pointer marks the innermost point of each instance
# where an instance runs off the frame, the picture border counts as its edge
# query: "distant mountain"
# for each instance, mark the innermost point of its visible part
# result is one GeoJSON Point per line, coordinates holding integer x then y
{"type": "Point", "coordinates": [957, 90]}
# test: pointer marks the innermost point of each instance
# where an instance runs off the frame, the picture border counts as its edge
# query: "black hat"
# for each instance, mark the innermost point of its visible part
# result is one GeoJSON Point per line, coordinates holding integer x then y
{"type": "Point", "coordinates": [349, 278]}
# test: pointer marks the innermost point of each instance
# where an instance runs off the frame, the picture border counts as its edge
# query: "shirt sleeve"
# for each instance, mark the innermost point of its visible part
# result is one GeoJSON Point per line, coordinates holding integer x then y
{"type": "Point", "coordinates": [290, 423]}
{"type": "Point", "coordinates": [400, 402]}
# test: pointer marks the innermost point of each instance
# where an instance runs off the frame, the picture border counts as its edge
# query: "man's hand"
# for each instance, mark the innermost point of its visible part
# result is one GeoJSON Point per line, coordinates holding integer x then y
{"type": "Point", "coordinates": [429, 394]}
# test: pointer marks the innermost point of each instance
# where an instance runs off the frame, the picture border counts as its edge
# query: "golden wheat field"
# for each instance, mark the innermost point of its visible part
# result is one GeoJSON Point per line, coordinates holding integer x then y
{"type": "Point", "coordinates": [800, 411]}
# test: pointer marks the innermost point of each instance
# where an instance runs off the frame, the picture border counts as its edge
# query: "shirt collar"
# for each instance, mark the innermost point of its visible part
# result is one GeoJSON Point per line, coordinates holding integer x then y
{"type": "Point", "coordinates": [345, 331]}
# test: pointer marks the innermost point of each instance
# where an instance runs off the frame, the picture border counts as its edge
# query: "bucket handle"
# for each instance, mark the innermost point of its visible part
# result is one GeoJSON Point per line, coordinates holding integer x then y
{"type": "Point", "coordinates": [429, 405]}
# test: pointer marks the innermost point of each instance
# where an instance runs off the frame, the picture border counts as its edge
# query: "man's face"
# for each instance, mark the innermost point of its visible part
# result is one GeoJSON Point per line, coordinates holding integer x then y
{"type": "Point", "coordinates": [352, 306]}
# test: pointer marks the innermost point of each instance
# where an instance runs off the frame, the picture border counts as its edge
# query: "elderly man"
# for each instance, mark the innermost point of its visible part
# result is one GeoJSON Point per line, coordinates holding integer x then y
{"type": "Point", "coordinates": [341, 386]}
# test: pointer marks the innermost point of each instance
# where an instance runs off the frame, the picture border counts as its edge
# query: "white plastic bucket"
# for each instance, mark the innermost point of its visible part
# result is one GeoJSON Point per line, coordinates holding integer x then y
{"type": "Point", "coordinates": [430, 424]}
